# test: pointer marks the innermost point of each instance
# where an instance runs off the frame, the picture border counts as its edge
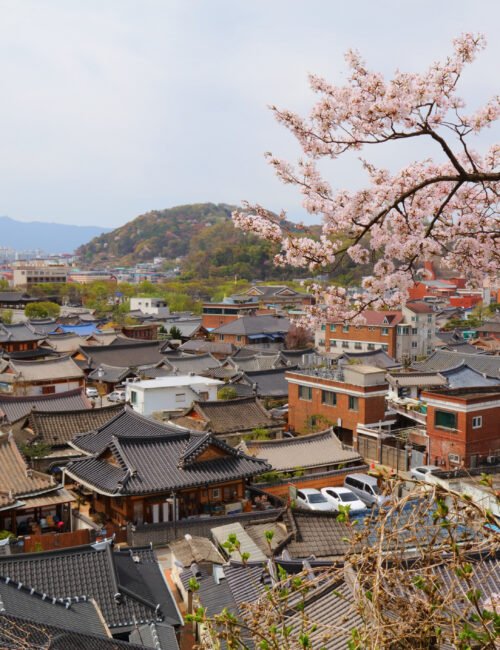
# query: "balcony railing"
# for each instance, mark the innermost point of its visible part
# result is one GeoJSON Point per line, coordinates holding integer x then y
{"type": "Point", "coordinates": [410, 408]}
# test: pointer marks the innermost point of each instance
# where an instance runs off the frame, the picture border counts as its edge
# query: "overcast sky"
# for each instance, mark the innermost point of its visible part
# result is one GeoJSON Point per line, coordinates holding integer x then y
{"type": "Point", "coordinates": [112, 108]}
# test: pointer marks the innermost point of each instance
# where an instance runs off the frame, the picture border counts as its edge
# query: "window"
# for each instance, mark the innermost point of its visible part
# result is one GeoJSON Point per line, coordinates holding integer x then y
{"type": "Point", "coordinates": [332, 328]}
{"type": "Point", "coordinates": [333, 343]}
{"type": "Point", "coordinates": [215, 493]}
{"type": "Point", "coordinates": [345, 344]}
{"type": "Point", "coordinates": [180, 397]}
{"type": "Point", "coordinates": [357, 346]}
{"type": "Point", "coordinates": [238, 338]}
{"type": "Point", "coordinates": [133, 397]}
{"type": "Point", "coordinates": [445, 419]}
{"type": "Point", "coordinates": [414, 331]}
{"type": "Point", "coordinates": [385, 347]}
{"type": "Point", "coordinates": [221, 337]}
{"type": "Point", "coordinates": [403, 330]}
{"type": "Point", "coordinates": [385, 331]}
{"type": "Point", "coordinates": [345, 328]}
{"type": "Point", "coordinates": [323, 327]}
{"type": "Point", "coordinates": [414, 344]}
{"type": "Point", "coordinates": [353, 403]}
{"type": "Point", "coordinates": [429, 318]}
{"type": "Point", "coordinates": [477, 422]}
{"type": "Point", "coordinates": [371, 346]}
{"type": "Point", "coordinates": [328, 397]}
{"type": "Point", "coordinates": [305, 392]}
{"type": "Point", "coordinates": [371, 329]}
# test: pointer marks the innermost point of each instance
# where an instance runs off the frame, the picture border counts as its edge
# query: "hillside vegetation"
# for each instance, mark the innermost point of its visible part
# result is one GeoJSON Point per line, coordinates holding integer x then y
{"type": "Point", "coordinates": [202, 237]}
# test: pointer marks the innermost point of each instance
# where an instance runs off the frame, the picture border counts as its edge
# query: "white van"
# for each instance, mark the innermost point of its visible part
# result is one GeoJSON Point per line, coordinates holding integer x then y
{"type": "Point", "coordinates": [366, 488]}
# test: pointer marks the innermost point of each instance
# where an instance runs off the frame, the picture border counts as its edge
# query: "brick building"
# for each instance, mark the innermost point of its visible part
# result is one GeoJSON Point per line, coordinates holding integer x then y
{"type": "Point", "coordinates": [463, 426]}
{"type": "Point", "coordinates": [343, 398]}
{"type": "Point", "coordinates": [405, 335]}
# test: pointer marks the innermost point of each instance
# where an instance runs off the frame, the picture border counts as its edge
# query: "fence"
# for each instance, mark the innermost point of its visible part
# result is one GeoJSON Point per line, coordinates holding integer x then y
{"type": "Point", "coordinates": [164, 533]}
{"type": "Point", "coordinates": [51, 541]}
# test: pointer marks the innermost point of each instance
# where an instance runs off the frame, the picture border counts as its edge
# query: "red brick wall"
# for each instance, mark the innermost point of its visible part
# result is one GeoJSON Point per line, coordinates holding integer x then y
{"type": "Point", "coordinates": [370, 409]}
{"type": "Point", "coordinates": [362, 333]}
{"type": "Point", "coordinates": [465, 441]}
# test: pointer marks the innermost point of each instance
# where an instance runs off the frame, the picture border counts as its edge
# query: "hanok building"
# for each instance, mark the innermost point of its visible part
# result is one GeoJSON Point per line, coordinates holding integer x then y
{"type": "Point", "coordinates": [120, 354]}
{"type": "Point", "coordinates": [277, 296]}
{"type": "Point", "coordinates": [57, 375]}
{"type": "Point", "coordinates": [265, 331]}
{"type": "Point", "coordinates": [344, 398]}
{"type": "Point", "coordinates": [19, 340]}
{"type": "Point", "coordinates": [144, 472]}
{"type": "Point", "coordinates": [127, 584]}
{"type": "Point", "coordinates": [35, 501]}
{"type": "Point", "coordinates": [14, 409]}
{"type": "Point", "coordinates": [228, 419]}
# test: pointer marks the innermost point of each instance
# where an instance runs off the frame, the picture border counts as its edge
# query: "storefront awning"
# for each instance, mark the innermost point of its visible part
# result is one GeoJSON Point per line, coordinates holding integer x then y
{"type": "Point", "coordinates": [46, 500]}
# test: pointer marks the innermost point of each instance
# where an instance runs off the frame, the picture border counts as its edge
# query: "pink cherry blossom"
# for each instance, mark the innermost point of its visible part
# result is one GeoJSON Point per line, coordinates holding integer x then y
{"type": "Point", "coordinates": [447, 209]}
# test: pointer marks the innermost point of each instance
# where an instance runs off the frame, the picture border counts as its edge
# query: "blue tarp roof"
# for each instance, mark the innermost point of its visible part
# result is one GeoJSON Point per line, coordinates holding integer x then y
{"type": "Point", "coordinates": [82, 330]}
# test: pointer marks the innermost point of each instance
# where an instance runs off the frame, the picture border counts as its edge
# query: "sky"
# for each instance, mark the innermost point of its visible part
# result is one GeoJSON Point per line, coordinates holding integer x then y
{"type": "Point", "coordinates": [112, 108]}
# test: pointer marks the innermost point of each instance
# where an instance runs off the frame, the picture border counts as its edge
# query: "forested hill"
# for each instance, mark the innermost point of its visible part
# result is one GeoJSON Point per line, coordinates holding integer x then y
{"type": "Point", "coordinates": [202, 235]}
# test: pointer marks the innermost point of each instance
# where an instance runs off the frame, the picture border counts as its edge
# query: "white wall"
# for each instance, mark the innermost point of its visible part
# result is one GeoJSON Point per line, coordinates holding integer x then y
{"type": "Point", "coordinates": [149, 400]}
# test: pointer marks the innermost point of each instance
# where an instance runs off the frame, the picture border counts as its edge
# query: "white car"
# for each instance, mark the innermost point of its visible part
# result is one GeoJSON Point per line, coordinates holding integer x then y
{"type": "Point", "coordinates": [116, 396]}
{"type": "Point", "coordinates": [421, 473]}
{"type": "Point", "coordinates": [312, 499]}
{"type": "Point", "coordinates": [91, 392]}
{"type": "Point", "coordinates": [341, 496]}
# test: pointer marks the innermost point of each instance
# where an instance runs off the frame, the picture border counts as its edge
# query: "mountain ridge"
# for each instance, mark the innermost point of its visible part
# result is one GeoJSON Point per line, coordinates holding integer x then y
{"type": "Point", "coordinates": [50, 237]}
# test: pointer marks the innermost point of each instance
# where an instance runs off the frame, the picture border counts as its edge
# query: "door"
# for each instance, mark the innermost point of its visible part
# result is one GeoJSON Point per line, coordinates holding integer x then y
{"type": "Point", "coordinates": [138, 512]}
{"type": "Point", "coordinates": [155, 511]}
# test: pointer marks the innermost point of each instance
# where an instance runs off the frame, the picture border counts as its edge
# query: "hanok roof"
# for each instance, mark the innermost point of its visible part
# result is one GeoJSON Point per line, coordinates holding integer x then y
{"type": "Point", "coordinates": [195, 549]}
{"type": "Point", "coordinates": [64, 343]}
{"type": "Point", "coordinates": [378, 358]}
{"type": "Point", "coordinates": [80, 613]}
{"type": "Point", "coordinates": [270, 383]}
{"type": "Point", "coordinates": [127, 591]}
{"type": "Point", "coordinates": [416, 379]}
{"type": "Point", "coordinates": [160, 464]}
{"type": "Point", "coordinates": [187, 328]}
{"type": "Point", "coordinates": [318, 534]}
{"type": "Point", "coordinates": [193, 363]}
{"type": "Point", "coordinates": [463, 376]}
{"type": "Point", "coordinates": [258, 362]}
{"type": "Point", "coordinates": [155, 635]}
{"type": "Point", "coordinates": [226, 416]}
{"type": "Point", "coordinates": [59, 427]}
{"type": "Point", "coordinates": [19, 332]}
{"type": "Point", "coordinates": [47, 370]}
{"type": "Point", "coordinates": [313, 450]}
{"type": "Point", "coordinates": [254, 325]}
{"type": "Point", "coordinates": [489, 326]}
{"type": "Point", "coordinates": [443, 360]}
{"type": "Point", "coordinates": [14, 408]}
{"type": "Point", "coordinates": [126, 422]}
{"type": "Point", "coordinates": [198, 346]}
{"type": "Point", "coordinates": [15, 476]}
{"type": "Point", "coordinates": [246, 543]}
{"type": "Point", "coordinates": [110, 374]}
{"type": "Point", "coordinates": [120, 354]}
{"type": "Point", "coordinates": [19, 633]}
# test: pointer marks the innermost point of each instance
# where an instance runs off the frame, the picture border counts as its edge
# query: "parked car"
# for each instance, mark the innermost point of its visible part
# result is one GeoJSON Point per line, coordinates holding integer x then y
{"type": "Point", "coordinates": [116, 396]}
{"type": "Point", "coordinates": [312, 499]}
{"type": "Point", "coordinates": [91, 392]}
{"type": "Point", "coordinates": [366, 488]}
{"type": "Point", "coordinates": [421, 473]}
{"type": "Point", "coordinates": [341, 496]}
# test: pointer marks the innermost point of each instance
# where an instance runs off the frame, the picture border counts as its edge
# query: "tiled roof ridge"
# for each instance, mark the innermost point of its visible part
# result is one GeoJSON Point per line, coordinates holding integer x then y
{"type": "Point", "coordinates": [53, 360]}
{"type": "Point", "coordinates": [39, 398]}
{"type": "Point", "coordinates": [252, 373]}
{"type": "Point", "coordinates": [87, 349]}
{"type": "Point", "coordinates": [63, 602]}
{"type": "Point", "coordinates": [116, 447]}
{"type": "Point", "coordinates": [317, 435]}
{"type": "Point", "coordinates": [237, 400]}
{"type": "Point", "coordinates": [38, 413]}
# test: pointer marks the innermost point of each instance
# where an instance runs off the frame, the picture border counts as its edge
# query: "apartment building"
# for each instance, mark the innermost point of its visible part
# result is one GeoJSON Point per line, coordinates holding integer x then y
{"type": "Point", "coordinates": [405, 335]}
{"type": "Point", "coordinates": [28, 275]}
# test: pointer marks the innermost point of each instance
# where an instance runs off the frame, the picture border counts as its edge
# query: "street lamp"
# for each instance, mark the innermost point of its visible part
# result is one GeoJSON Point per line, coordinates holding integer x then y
{"type": "Point", "coordinates": [100, 375]}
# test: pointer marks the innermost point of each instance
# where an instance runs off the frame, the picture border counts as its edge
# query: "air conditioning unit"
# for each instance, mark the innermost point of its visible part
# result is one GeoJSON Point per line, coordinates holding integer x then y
{"type": "Point", "coordinates": [491, 460]}
{"type": "Point", "coordinates": [454, 458]}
